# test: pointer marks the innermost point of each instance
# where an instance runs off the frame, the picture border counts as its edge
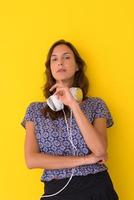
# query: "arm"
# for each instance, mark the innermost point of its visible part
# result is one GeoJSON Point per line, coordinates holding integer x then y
{"type": "Point", "coordinates": [94, 135]}
{"type": "Point", "coordinates": [35, 159]}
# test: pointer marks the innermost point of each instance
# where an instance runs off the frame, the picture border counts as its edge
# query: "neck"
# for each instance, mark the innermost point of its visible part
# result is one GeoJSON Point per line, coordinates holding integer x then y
{"type": "Point", "coordinates": [67, 83]}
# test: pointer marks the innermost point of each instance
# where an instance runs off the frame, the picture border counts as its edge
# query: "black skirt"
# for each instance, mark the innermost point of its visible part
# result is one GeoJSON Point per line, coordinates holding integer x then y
{"type": "Point", "coordinates": [91, 187]}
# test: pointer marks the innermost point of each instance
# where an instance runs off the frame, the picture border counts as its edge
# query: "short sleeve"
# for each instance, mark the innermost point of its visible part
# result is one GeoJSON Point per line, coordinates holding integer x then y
{"type": "Point", "coordinates": [101, 110]}
{"type": "Point", "coordinates": [29, 115]}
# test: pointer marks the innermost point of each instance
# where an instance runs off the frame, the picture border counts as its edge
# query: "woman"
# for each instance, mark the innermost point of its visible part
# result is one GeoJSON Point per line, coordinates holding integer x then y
{"type": "Point", "coordinates": [73, 164]}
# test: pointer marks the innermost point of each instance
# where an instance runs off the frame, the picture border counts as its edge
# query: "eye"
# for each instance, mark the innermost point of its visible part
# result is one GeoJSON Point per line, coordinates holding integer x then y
{"type": "Point", "coordinates": [53, 59]}
{"type": "Point", "coordinates": [67, 57]}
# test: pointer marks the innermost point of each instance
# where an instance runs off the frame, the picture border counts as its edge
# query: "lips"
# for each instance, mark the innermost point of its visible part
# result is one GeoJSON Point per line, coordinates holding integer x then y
{"type": "Point", "coordinates": [61, 70]}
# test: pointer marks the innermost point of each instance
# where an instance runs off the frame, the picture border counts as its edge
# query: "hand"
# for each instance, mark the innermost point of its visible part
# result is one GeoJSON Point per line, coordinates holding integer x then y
{"type": "Point", "coordinates": [63, 93]}
{"type": "Point", "coordinates": [92, 159]}
{"type": "Point", "coordinates": [104, 159]}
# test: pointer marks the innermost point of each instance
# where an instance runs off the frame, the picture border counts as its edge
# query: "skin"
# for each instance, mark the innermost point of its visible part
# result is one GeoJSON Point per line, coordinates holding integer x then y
{"type": "Point", "coordinates": [95, 135]}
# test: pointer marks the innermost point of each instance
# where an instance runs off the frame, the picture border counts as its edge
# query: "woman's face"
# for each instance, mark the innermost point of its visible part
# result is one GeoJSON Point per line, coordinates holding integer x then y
{"type": "Point", "coordinates": [62, 63]}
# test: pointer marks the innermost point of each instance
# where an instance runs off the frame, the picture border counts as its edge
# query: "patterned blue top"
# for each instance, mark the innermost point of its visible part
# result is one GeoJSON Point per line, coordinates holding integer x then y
{"type": "Point", "coordinates": [52, 135]}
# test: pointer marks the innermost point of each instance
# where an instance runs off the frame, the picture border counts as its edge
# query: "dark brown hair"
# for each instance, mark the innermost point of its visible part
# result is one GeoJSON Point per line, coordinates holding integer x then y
{"type": "Point", "coordinates": [80, 79]}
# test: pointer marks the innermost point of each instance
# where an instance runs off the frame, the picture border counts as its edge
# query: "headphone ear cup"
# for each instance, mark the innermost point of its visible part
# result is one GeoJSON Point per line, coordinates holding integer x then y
{"type": "Point", "coordinates": [77, 93]}
{"type": "Point", "coordinates": [54, 103]}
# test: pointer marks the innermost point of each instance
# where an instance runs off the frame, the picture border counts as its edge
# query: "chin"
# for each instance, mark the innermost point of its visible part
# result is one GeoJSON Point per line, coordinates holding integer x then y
{"type": "Point", "coordinates": [61, 78]}
{"type": "Point", "coordinates": [64, 79]}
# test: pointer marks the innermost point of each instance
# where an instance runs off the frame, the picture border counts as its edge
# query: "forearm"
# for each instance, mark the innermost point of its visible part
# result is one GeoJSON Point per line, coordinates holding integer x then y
{"type": "Point", "coordinates": [96, 143]}
{"type": "Point", "coordinates": [47, 161]}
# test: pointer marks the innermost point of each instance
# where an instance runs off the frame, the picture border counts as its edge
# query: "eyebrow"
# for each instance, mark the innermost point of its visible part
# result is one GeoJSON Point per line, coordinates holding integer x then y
{"type": "Point", "coordinates": [63, 54]}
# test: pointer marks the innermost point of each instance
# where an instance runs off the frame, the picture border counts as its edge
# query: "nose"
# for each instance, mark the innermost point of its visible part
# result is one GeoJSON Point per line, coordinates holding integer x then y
{"type": "Point", "coordinates": [60, 63]}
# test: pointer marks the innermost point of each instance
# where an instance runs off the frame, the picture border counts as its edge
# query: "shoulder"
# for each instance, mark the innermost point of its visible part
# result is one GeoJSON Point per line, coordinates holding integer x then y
{"type": "Point", "coordinates": [33, 112]}
{"type": "Point", "coordinates": [99, 109]}
{"type": "Point", "coordinates": [96, 104]}
{"type": "Point", "coordinates": [36, 106]}
{"type": "Point", "coordinates": [94, 100]}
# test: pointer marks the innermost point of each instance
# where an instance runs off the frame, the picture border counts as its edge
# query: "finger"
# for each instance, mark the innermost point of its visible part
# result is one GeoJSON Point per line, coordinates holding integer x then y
{"type": "Point", "coordinates": [101, 161]}
{"type": "Point", "coordinates": [60, 91]}
{"type": "Point", "coordinates": [54, 86]}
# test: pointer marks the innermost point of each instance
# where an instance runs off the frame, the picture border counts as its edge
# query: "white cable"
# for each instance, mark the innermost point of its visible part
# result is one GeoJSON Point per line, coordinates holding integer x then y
{"type": "Point", "coordinates": [74, 148]}
{"type": "Point", "coordinates": [69, 132]}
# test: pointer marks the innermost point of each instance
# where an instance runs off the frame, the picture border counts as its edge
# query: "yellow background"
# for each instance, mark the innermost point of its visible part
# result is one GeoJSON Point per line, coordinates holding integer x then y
{"type": "Point", "coordinates": [102, 31]}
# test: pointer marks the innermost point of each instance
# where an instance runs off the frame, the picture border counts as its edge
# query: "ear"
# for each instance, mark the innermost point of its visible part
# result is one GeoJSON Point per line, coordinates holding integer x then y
{"type": "Point", "coordinates": [77, 69]}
